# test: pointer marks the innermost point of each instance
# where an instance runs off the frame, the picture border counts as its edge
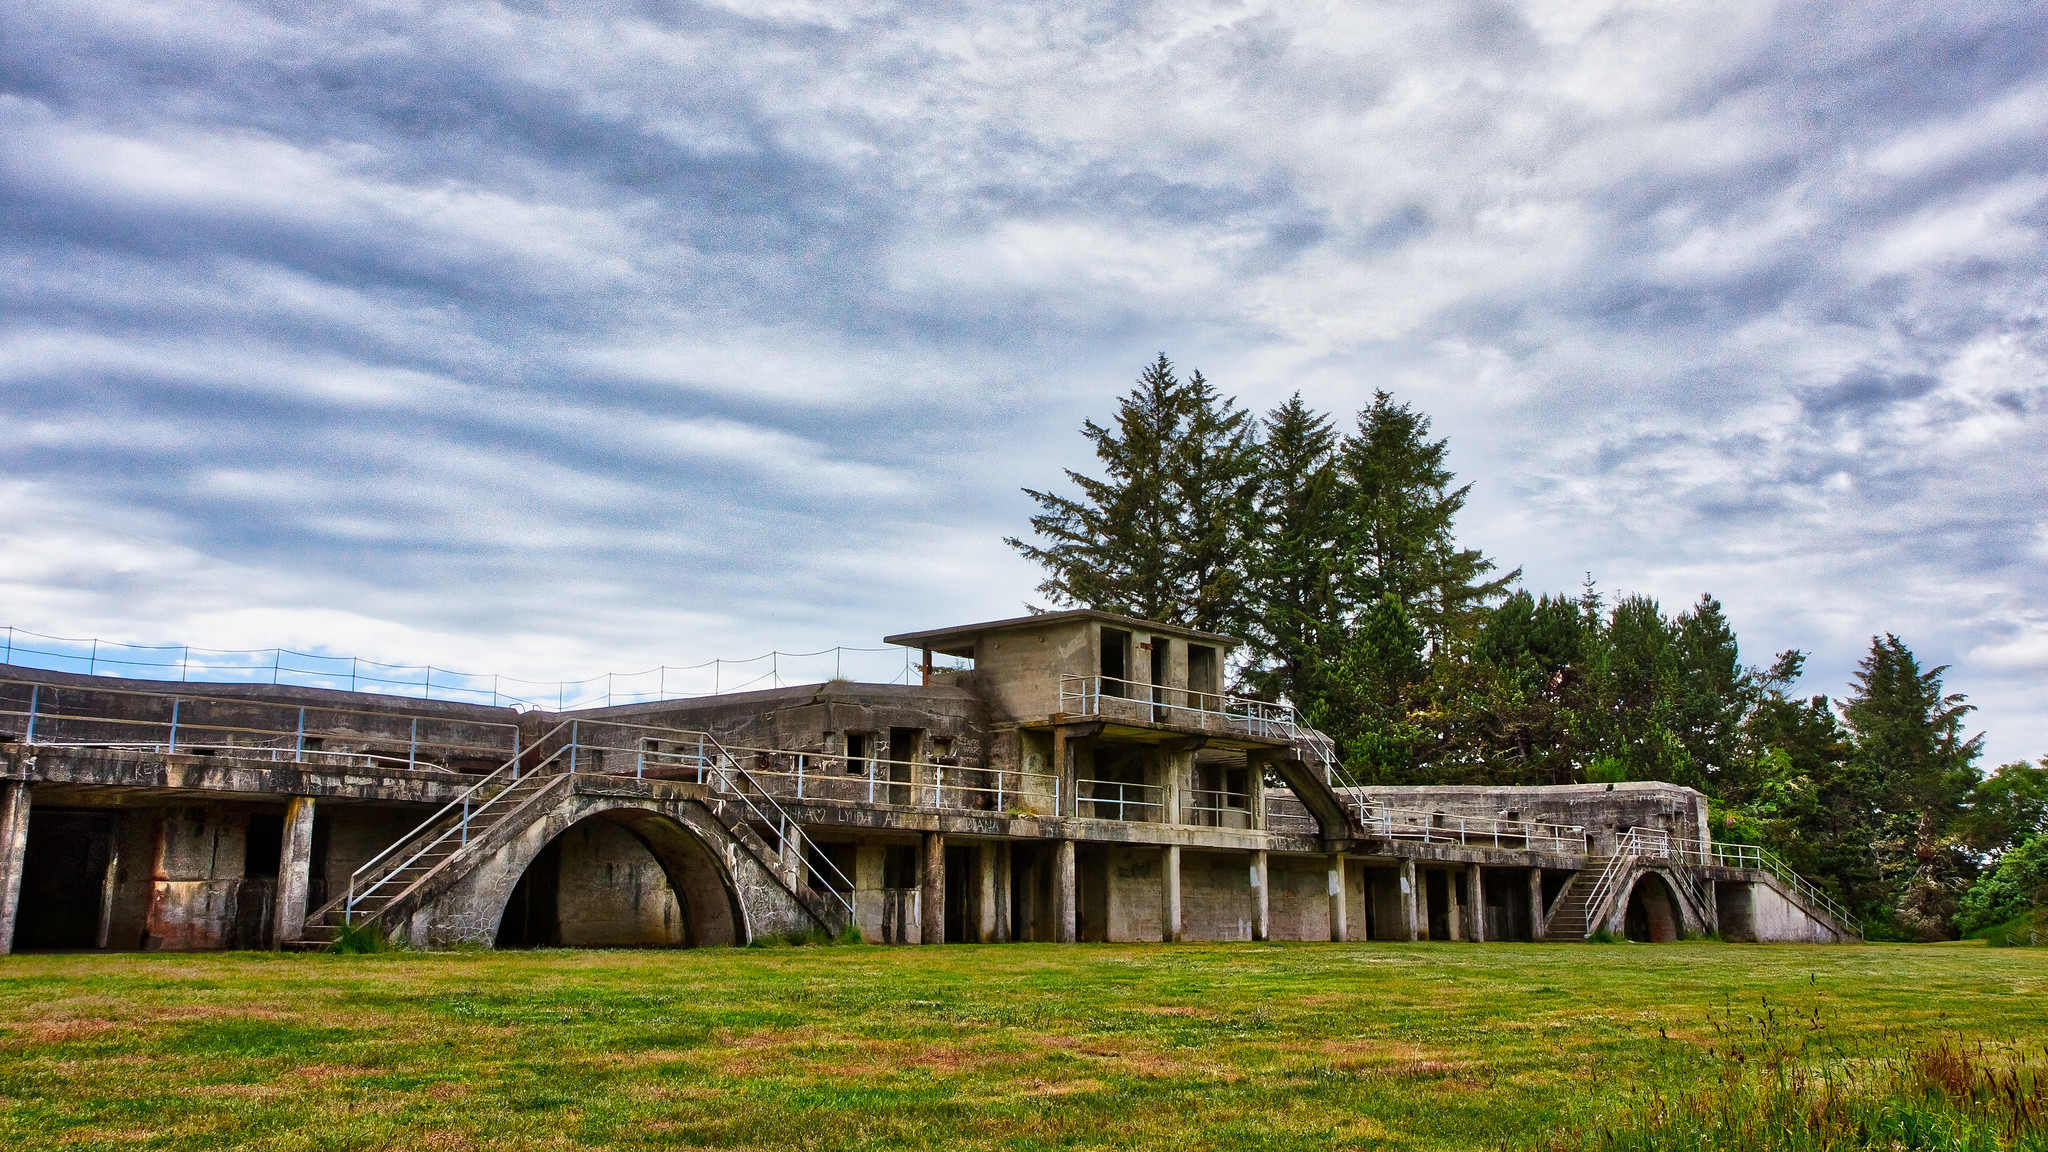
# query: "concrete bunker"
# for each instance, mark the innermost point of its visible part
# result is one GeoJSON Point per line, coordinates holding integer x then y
{"type": "Point", "coordinates": [622, 878]}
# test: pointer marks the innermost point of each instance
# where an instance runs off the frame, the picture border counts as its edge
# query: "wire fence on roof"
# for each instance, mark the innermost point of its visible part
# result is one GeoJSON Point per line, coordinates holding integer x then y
{"type": "Point", "coordinates": [285, 666]}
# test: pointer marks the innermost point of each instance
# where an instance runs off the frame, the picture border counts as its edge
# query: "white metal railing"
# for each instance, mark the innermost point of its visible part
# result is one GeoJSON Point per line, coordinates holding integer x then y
{"type": "Point", "coordinates": [89, 716]}
{"type": "Point", "coordinates": [1117, 800]}
{"type": "Point", "coordinates": [834, 776]}
{"type": "Point", "coordinates": [1136, 701]}
{"type": "Point", "coordinates": [1430, 827]}
{"type": "Point", "coordinates": [1661, 844]}
{"type": "Point", "coordinates": [591, 747]}
{"type": "Point", "coordinates": [1215, 808]}
{"type": "Point", "coordinates": [1286, 814]}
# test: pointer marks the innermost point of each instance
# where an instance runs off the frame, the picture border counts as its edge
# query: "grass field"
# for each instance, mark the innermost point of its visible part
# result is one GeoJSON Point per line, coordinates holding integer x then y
{"type": "Point", "coordinates": [1017, 1046]}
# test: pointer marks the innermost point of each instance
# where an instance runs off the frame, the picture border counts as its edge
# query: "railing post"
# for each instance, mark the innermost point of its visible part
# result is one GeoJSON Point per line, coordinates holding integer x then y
{"type": "Point", "coordinates": [573, 744]}
{"type": "Point", "coordinates": [35, 695]}
{"type": "Point", "coordinates": [465, 821]}
{"type": "Point", "coordinates": [412, 754]}
{"type": "Point", "coordinates": [173, 747]}
{"type": "Point", "coordinates": [299, 746]}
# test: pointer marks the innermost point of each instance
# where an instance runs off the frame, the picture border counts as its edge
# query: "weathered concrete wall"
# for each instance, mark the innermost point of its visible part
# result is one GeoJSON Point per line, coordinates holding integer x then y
{"type": "Point", "coordinates": [1216, 895]}
{"type": "Point", "coordinates": [612, 892]}
{"type": "Point", "coordinates": [1774, 918]}
{"type": "Point", "coordinates": [1299, 905]}
{"type": "Point", "coordinates": [208, 717]}
{"type": "Point", "coordinates": [1603, 810]}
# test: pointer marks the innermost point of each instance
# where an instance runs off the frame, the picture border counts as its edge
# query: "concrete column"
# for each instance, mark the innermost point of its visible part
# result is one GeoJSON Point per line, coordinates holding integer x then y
{"type": "Point", "coordinates": [1065, 897]}
{"type": "Point", "coordinates": [1169, 892]}
{"type": "Point", "coordinates": [1003, 894]}
{"type": "Point", "coordinates": [1340, 929]}
{"type": "Point", "coordinates": [1262, 926]}
{"type": "Point", "coordinates": [294, 871]}
{"type": "Point", "coordinates": [1409, 930]}
{"type": "Point", "coordinates": [1536, 909]}
{"type": "Point", "coordinates": [985, 873]}
{"type": "Point", "coordinates": [931, 896]}
{"type": "Point", "coordinates": [1475, 892]}
{"type": "Point", "coordinates": [1454, 919]}
{"type": "Point", "coordinates": [14, 800]}
{"type": "Point", "coordinates": [1068, 805]}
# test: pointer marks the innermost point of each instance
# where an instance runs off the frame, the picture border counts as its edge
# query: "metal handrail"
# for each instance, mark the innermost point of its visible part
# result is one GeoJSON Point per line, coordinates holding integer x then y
{"type": "Point", "coordinates": [1222, 803]}
{"type": "Point", "coordinates": [715, 766]}
{"type": "Point", "coordinates": [815, 770]}
{"type": "Point", "coordinates": [176, 725]}
{"type": "Point", "coordinates": [1432, 827]}
{"type": "Point", "coordinates": [1236, 714]}
{"type": "Point", "coordinates": [720, 764]}
{"type": "Point", "coordinates": [1659, 844]}
{"type": "Point", "coordinates": [1122, 803]}
{"type": "Point", "coordinates": [471, 809]}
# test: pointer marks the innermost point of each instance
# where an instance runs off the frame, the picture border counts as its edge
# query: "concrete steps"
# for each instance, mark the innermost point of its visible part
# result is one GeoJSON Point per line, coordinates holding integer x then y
{"type": "Point", "coordinates": [417, 857]}
{"type": "Point", "coordinates": [1570, 919]}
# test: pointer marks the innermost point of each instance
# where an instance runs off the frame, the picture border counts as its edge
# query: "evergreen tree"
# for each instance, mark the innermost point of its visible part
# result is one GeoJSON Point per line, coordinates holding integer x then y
{"type": "Point", "coordinates": [1162, 534]}
{"type": "Point", "coordinates": [1920, 768]}
{"type": "Point", "coordinates": [1525, 691]}
{"type": "Point", "coordinates": [1397, 532]}
{"type": "Point", "coordinates": [1295, 632]}
{"type": "Point", "coordinates": [1713, 693]}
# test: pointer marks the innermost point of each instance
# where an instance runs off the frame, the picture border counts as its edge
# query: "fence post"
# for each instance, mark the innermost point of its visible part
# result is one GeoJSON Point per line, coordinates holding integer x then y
{"type": "Point", "coordinates": [174, 726]}
{"type": "Point", "coordinates": [92, 665]}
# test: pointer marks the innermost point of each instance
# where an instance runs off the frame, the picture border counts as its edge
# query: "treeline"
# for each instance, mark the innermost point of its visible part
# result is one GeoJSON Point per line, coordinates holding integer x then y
{"type": "Point", "coordinates": [1332, 549]}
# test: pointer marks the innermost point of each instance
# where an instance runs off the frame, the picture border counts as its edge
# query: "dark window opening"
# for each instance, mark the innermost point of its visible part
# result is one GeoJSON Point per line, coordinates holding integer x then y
{"type": "Point", "coordinates": [830, 866]}
{"type": "Point", "coordinates": [859, 747]}
{"type": "Point", "coordinates": [263, 844]}
{"type": "Point", "coordinates": [899, 866]}
{"type": "Point", "coordinates": [1116, 662]}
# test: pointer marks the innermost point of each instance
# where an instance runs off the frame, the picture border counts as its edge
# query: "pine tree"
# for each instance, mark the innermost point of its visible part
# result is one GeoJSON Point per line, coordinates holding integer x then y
{"type": "Point", "coordinates": [1162, 535]}
{"type": "Point", "coordinates": [1920, 768]}
{"type": "Point", "coordinates": [1295, 633]}
{"type": "Point", "coordinates": [1397, 533]}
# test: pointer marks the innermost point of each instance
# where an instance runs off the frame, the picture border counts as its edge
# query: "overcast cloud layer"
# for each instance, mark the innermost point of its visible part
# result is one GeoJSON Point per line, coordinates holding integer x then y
{"type": "Point", "coordinates": [547, 341]}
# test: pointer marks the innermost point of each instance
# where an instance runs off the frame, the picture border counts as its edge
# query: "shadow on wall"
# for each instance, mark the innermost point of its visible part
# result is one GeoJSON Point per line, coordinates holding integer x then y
{"type": "Point", "coordinates": [623, 879]}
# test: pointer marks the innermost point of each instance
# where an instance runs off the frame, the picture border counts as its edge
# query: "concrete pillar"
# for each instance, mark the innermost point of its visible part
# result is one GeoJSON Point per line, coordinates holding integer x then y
{"type": "Point", "coordinates": [14, 799]}
{"type": "Point", "coordinates": [931, 896]}
{"type": "Point", "coordinates": [1340, 929]}
{"type": "Point", "coordinates": [1536, 909]}
{"type": "Point", "coordinates": [1169, 893]}
{"type": "Point", "coordinates": [1003, 894]}
{"type": "Point", "coordinates": [1262, 927]}
{"type": "Point", "coordinates": [1066, 903]}
{"type": "Point", "coordinates": [1409, 930]}
{"type": "Point", "coordinates": [1454, 918]}
{"type": "Point", "coordinates": [294, 871]}
{"type": "Point", "coordinates": [985, 874]}
{"type": "Point", "coordinates": [1475, 893]}
{"type": "Point", "coordinates": [1068, 805]}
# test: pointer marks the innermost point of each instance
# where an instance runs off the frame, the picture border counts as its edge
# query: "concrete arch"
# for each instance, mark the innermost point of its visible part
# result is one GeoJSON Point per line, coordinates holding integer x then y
{"type": "Point", "coordinates": [622, 877]}
{"type": "Point", "coordinates": [1652, 913]}
{"type": "Point", "coordinates": [728, 895]}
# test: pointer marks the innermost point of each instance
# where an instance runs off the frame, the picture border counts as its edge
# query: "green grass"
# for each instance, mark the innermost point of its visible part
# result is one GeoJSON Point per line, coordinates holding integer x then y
{"type": "Point", "coordinates": [1241, 1047]}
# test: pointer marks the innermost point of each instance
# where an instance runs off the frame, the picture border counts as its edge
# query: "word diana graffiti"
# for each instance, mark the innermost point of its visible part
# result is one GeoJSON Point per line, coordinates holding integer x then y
{"type": "Point", "coordinates": [1077, 776]}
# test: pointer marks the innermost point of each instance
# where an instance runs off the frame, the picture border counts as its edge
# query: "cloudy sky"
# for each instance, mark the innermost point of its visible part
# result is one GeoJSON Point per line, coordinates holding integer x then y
{"type": "Point", "coordinates": [550, 341]}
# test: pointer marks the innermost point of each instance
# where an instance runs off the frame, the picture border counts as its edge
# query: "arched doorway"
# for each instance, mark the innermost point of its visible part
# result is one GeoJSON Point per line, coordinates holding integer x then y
{"type": "Point", "coordinates": [1652, 916]}
{"type": "Point", "coordinates": [625, 878]}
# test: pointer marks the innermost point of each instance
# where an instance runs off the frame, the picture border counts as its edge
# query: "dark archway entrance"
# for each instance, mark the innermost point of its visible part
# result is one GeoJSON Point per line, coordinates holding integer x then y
{"type": "Point", "coordinates": [627, 878]}
{"type": "Point", "coordinates": [1652, 916]}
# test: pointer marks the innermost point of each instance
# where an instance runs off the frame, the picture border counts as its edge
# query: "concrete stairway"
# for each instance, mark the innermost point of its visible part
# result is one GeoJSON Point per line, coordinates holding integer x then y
{"type": "Point", "coordinates": [524, 790]}
{"type": "Point", "coordinates": [424, 850]}
{"type": "Point", "coordinates": [1569, 917]}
